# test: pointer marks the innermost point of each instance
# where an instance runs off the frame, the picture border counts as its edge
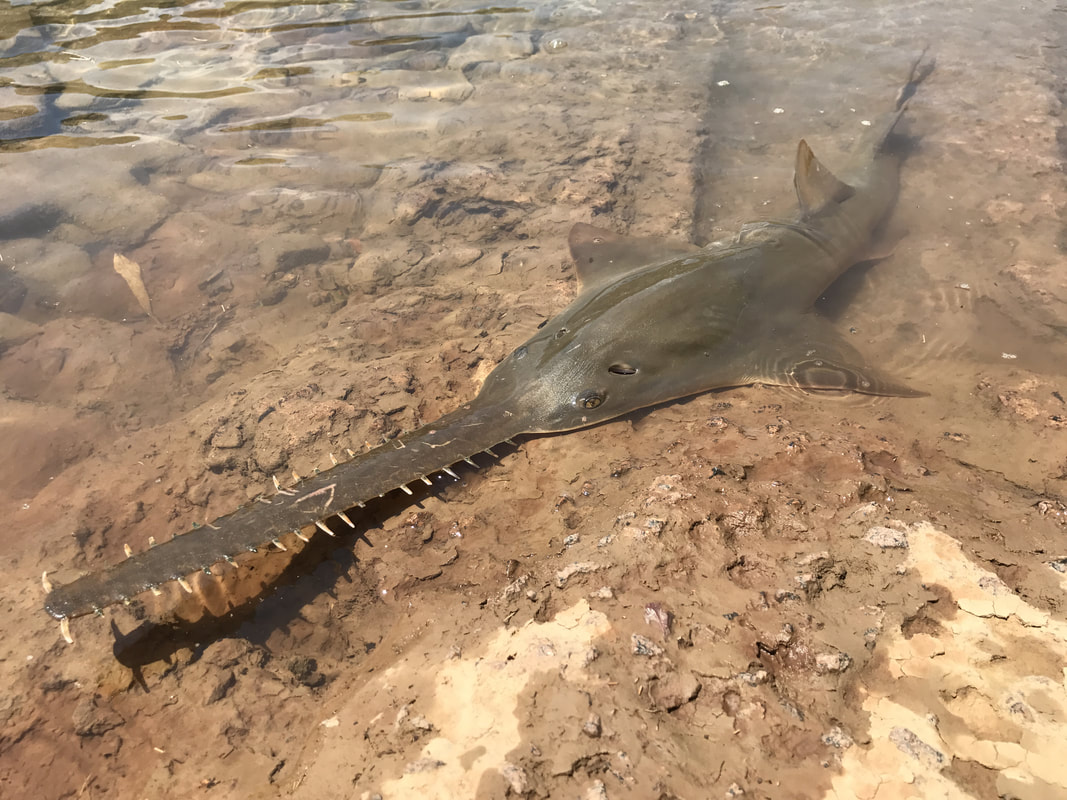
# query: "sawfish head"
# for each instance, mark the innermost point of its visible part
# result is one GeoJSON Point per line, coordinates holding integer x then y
{"type": "Point", "coordinates": [644, 329]}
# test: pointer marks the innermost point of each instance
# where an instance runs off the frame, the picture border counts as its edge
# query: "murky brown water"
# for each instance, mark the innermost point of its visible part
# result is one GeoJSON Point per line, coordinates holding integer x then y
{"type": "Point", "coordinates": [344, 215]}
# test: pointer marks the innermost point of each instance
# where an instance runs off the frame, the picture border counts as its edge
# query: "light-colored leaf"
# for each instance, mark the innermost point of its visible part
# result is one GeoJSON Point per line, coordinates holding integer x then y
{"type": "Point", "coordinates": [131, 273]}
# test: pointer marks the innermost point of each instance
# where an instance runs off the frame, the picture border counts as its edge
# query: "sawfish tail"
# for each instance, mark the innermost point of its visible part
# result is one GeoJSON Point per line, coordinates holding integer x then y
{"type": "Point", "coordinates": [318, 502]}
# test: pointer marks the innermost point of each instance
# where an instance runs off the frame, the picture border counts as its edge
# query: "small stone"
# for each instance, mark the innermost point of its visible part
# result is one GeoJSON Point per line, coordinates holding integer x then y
{"type": "Point", "coordinates": [603, 593]}
{"type": "Point", "coordinates": [753, 678]}
{"type": "Point", "coordinates": [91, 720]}
{"type": "Point", "coordinates": [643, 646]}
{"type": "Point", "coordinates": [291, 251]}
{"type": "Point", "coordinates": [222, 688]}
{"type": "Point", "coordinates": [656, 614]}
{"type": "Point", "coordinates": [674, 690]}
{"type": "Point", "coordinates": [572, 540]}
{"type": "Point", "coordinates": [227, 436]}
{"type": "Point", "coordinates": [577, 568]}
{"type": "Point", "coordinates": [596, 792]}
{"type": "Point", "coordinates": [306, 671]}
{"type": "Point", "coordinates": [272, 294]}
{"type": "Point", "coordinates": [15, 331]}
{"type": "Point", "coordinates": [910, 744]}
{"type": "Point", "coordinates": [423, 765]}
{"type": "Point", "coordinates": [837, 737]}
{"type": "Point", "coordinates": [592, 726]}
{"type": "Point", "coordinates": [516, 778]}
{"type": "Point", "coordinates": [491, 47]}
{"type": "Point", "coordinates": [832, 662]}
{"type": "Point", "coordinates": [886, 538]}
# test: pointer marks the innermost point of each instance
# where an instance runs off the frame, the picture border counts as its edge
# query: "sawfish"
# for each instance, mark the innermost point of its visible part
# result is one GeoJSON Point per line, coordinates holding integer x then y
{"type": "Point", "coordinates": [653, 321]}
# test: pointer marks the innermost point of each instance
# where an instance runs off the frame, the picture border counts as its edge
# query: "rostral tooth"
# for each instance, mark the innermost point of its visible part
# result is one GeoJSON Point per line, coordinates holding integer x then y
{"type": "Point", "coordinates": [345, 519]}
{"type": "Point", "coordinates": [426, 480]}
{"type": "Point", "coordinates": [277, 484]}
{"type": "Point", "coordinates": [185, 585]}
{"type": "Point", "coordinates": [404, 486]}
{"type": "Point", "coordinates": [333, 459]}
{"type": "Point", "coordinates": [127, 550]}
{"type": "Point", "coordinates": [469, 461]}
{"type": "Point", "coordinates": [279, 545]}
{"type": "Point", "coordinates": [322, 527]}
{"type": "Point", "coordinates": [296, 477]}
{"type": "Point", "coordinates": [47, 584]}
{"type": "Point", "coordinates": [450, 471]}
{"type": "Point", "coordinates": [489, 450]}
{"type": "Point", "coordinates": [151, 541]}
{"type": "Point", "coordinates": [64, 628]}
{"type": "Point", "coordinates": [155, 590]}
{"type": "Point", "coordinates": [510, 441]}
{"type": "Point", "coordinates": [351, 452]}
{"type": "Point", "coordinates": [300, 536]}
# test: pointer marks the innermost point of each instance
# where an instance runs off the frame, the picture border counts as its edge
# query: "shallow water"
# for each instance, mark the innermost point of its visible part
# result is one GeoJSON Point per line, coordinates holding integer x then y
{"type": "Point", "coordinates": [345, 214]}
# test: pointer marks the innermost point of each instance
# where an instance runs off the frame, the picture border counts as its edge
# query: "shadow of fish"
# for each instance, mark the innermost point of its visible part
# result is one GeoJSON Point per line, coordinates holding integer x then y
{"type": "Point", "coordinates": [653, 321]}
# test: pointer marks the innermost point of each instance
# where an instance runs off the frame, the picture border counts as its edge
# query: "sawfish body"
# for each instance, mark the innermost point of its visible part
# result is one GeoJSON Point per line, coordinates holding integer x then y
{"type": "Point", "coordinates": [653, 321]}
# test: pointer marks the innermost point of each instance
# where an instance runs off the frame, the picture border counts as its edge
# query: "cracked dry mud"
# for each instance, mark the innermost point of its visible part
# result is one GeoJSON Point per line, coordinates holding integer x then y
{"type": "Point", "coordinates": [753, 593]}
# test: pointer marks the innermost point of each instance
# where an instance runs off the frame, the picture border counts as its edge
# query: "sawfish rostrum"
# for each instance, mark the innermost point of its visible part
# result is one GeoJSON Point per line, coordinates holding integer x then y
{"type": "Point", "coordinates": [653, 321]}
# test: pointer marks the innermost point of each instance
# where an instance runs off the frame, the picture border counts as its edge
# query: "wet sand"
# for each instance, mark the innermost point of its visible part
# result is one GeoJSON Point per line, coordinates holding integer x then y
{"type": "Point", "coordinates": [756, 592]}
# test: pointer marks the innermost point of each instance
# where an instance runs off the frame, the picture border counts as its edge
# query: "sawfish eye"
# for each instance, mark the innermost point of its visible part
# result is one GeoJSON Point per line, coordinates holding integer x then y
{"type": "Point", "coordinates": [622, 369]}
{"type": "Point", "coordinates": [590, 398]}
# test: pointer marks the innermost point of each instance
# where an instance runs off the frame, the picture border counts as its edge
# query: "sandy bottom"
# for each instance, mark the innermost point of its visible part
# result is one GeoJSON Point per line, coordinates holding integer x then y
{"type": "Point", "coordinates": [753, 593]}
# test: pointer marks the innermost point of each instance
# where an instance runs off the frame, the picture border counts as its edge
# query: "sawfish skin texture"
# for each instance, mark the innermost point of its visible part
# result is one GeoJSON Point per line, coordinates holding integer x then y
{"type": "Point", "coordinates": [653, 321]}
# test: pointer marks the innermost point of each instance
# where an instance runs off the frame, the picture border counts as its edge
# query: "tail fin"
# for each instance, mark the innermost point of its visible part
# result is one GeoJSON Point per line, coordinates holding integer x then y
{"type": "Point", "coordinates": [920, 69]}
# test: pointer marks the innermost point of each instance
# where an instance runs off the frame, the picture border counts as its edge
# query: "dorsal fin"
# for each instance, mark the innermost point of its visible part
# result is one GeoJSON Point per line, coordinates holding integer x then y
{"type": "Point", "coordinates": [816, 186]}
{"type": "Point", "coordinates": [601, 256]}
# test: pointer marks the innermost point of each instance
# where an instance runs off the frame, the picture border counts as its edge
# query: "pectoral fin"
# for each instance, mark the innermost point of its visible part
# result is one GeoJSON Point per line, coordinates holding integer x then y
{"type": "Point", "coordinates": [601, 256]}
{"type": "Point", "coordinates": [812, 355]}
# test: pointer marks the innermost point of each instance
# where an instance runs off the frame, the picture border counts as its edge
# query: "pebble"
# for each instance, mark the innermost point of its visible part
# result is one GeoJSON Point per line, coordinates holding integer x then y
{"type": "Point", "coordinates": [491, 47]}
{"type": "Point", "coordinates": [592, 726]}
{"type": "Point", "coordinates": [516, 777]}
{"type": "Point", "coordinates": [643, 646]}
{"type": "Point", "coordinates": [91, 720]}
{"type": "Point", "coordinates": [227, 436]}
{"type": "Point", "coordinates": [47, 267]}
{"type": "Point", "coordinates": [886, 538]}
{"type": "Point", "coordinates": [837, 737]}
{"type": "Point", "coordinates": [289, 251]}
{"type": "Point", "coordinates": [448, 86]}
{"type": "Point", "coordinates": [577, 568]}
{"type": "Point", "coordinates": [832, 662]}
{"type": "Point", "coordinates": [15, 331]}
